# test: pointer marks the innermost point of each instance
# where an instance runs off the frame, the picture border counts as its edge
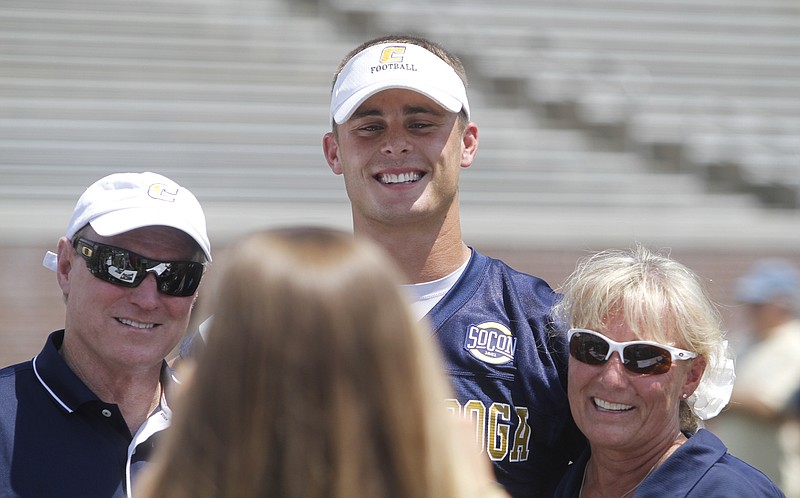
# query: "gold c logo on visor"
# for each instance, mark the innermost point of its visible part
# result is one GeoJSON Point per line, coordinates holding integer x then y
{"type": "Point", "coordinates": [392, 54]}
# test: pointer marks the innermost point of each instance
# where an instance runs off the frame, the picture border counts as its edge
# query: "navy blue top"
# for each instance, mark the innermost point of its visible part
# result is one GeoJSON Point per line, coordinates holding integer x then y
{"type": "Point", "coordinates": [508, 368]}
{"type": "Point", "coordinates": [700, 468]}
{"type": "Point", "coordinates": [58, 439]}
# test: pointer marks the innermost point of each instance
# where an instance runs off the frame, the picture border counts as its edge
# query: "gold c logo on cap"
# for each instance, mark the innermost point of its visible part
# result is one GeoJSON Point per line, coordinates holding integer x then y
{"type": "Point", "coordinates": [392, 54]}
{"type": "Point", "coordinates": [160, 191]}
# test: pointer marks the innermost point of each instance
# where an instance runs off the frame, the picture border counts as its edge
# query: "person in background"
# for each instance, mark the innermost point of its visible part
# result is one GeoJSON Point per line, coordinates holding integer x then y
{"type": "Point", "coordinates": [648, 363]}
{"type": "Point", "coordinates": [757, 424]}
{"type": "Point", "coordinates": [82, 417]}
{"type": "Point", "coordinates": [790, 441]}
{"type": "Point", "coordinates": [317, 382]}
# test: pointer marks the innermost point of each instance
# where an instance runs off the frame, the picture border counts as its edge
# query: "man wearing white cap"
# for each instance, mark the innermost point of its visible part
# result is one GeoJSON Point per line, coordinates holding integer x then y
{"type": "Point", "coordinates": [81, 418]}
{"type": "Point", "coordinates": [401, 133]}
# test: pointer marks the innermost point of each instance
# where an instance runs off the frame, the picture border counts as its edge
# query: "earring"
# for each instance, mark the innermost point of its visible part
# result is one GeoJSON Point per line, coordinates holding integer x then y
{"type": "Point", "coordinates": [684, 396]}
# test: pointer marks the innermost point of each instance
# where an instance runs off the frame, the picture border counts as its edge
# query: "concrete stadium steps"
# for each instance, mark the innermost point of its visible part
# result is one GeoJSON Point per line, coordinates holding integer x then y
{"type": "Point", "coordinates": [508, 190]}
{"type": "Point", "coordinates": [156, 71]}
{"type": "Point", "coordinates": [680, 40]}
{"type": "Point", "coordinates": [184, 132]}
{"type": "Point", "coordinates": [769, 16]}
{"type": "Point", "coordinates": [149, 109]}
{"type": "Point", "coordinates": [162, 95]}
{"type": "Point", "coordinates": [515, 165]}
{"type": "Point", "coordinates": [231, 100]}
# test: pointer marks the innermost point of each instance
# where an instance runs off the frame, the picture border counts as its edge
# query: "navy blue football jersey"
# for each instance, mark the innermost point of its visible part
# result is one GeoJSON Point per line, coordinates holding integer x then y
{"type": "Point", "coordinates": [508, 367]}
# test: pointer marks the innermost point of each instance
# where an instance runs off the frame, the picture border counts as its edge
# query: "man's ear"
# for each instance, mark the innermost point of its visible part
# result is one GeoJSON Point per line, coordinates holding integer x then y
{"type": "Point", "coordinates": [64, 265]}
{"type": "Point", "coordinates": [470, 140]}
{"type": "Point", "coordinates": [331, 150]}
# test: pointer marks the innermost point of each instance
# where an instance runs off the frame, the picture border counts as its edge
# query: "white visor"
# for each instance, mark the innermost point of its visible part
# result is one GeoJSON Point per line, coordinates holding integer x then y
{"type": "Point", "coordinates": [396, 65]}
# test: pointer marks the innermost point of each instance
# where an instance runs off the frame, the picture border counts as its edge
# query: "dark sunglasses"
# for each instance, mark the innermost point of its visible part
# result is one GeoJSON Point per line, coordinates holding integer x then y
{"type": "Point", "coordinates": [641, 357]}
{"type": "Point", "coordinates": [128, 269]}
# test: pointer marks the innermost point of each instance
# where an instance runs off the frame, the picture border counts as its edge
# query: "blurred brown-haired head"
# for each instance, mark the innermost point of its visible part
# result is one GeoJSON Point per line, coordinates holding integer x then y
{"type": "Point", "coordinates": [317, 381]}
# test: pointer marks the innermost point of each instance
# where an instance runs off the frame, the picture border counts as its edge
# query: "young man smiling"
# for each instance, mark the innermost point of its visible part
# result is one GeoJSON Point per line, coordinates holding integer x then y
{"type": "Point", "coordinates": [401, 134]}
{"type": "Point", "coordinates": [82, 417]}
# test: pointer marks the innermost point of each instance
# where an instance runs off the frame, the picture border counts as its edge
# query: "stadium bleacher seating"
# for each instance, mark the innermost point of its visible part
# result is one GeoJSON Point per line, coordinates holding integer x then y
{"type": "Point", "coordinates": [230, 98]}
{"type": "Point", "coordinates": [604, 122]}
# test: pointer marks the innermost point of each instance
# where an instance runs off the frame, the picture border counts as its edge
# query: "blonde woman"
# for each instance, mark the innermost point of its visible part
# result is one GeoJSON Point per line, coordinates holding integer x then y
{"type": "Point", "coordinates": [647, 365]}
{"type": "Point", "coordinates": [317, 382]}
